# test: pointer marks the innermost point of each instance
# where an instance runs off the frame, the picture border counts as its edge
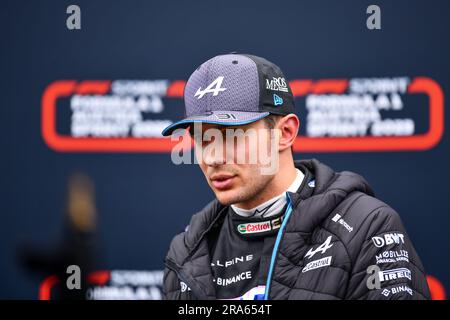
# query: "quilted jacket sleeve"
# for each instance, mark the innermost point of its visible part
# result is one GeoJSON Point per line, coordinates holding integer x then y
{"type": "Point", "coordinates": [385, 263]}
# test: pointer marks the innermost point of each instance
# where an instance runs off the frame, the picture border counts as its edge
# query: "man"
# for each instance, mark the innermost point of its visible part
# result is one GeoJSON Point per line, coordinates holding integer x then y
{"type": "Point", "coordinates": [297, 230]}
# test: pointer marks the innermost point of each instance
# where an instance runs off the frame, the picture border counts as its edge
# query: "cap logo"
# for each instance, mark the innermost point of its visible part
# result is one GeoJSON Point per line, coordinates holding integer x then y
{"type": "Point", "coordinates": [214, 87]}
{"type": "Point", "coordinates": [225, 116]}
{"type": "Point", "coordinates": [277, 100]}
{"type": "Point", "coordinates": [277, 84]}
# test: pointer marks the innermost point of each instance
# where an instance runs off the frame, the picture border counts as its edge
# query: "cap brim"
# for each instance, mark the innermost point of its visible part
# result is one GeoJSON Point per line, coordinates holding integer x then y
{"type": "Point", "coordinates": [225, 118]}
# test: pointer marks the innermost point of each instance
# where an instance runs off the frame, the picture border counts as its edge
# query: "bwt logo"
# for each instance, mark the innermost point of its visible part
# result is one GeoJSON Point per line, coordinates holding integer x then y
{"type": "Point", "coordinates": [342, 115]}
{"type": "Point", "coordinates": [387, 239]}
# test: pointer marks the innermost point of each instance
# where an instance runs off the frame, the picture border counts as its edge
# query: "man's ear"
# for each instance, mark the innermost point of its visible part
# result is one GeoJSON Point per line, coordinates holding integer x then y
{"type": "Point", "coordinates": [288, 126]}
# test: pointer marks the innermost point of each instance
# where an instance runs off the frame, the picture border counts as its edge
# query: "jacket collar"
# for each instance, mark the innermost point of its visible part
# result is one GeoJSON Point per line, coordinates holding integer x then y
{"type": "Point", "coordinates": [211, 216]}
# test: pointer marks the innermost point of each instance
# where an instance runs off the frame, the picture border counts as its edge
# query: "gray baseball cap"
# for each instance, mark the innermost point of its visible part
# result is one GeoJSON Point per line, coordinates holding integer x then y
{"type": "Point", "coordinates": [234, 89]}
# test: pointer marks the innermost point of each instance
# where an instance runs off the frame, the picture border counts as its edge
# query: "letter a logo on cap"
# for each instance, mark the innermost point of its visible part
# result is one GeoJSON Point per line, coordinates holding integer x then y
{"type": "Point", "coordinates": [214, 88]}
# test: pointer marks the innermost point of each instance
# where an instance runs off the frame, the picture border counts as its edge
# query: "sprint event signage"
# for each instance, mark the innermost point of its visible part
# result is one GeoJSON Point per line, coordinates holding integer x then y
{"type": "Point", "coordinates": [336, 115]}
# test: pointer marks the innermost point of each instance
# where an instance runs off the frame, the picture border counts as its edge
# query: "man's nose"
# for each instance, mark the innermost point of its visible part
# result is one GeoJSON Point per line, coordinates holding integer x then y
{"type": "Point", "coordinates": [217, 152]}
{"type": "Point", "coordinates": [214, 155]}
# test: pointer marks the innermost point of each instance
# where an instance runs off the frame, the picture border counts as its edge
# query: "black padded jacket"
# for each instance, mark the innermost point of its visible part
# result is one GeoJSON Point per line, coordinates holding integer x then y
{"type": "Point", "coordinates": [338, 242]}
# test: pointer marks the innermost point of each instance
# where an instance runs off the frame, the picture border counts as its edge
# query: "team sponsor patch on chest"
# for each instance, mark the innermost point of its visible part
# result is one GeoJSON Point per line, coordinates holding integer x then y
{"type": "Point", "coordinates": [259, 227]}
{"type": "Point", "coordinates": [316, 264]}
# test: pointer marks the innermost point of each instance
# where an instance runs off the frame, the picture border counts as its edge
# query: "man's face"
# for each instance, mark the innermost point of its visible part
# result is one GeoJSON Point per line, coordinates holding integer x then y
{"type": "Point", "coordinates": [235, 159]}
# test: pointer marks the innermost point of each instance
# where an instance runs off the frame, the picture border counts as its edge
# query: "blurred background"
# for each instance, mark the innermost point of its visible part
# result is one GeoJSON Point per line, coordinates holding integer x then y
{"type": "Point", "coordinates": [88, 180]}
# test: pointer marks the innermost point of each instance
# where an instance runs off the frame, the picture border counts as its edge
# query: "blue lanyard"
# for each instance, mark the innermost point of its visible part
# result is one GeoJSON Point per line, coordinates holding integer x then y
{"type": "Point", "coordinates": [277, 244]}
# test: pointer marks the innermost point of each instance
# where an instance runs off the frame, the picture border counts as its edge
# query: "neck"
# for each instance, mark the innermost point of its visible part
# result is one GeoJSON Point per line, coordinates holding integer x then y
{"type": "Point", "coordinates": [278, 185]}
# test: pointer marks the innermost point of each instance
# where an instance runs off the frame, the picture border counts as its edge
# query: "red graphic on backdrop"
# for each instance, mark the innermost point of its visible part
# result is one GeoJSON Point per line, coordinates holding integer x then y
{"type": "Point", "coordinates": [300, 88]}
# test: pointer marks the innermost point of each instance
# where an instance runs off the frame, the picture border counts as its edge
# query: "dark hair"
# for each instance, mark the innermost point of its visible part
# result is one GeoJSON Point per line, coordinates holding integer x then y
{"type": "Point", "coordinates": [271, 120]}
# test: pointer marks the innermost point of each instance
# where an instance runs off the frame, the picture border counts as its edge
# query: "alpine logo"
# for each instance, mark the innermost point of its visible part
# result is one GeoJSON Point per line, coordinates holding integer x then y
{"type": "Point", "coordinates": [232, 262]}
{"type": "Point", "coordinates": [322, 248]}
{"type": "Point", "coordinates": [277, 84]}
{"type": "Point", "coordinates": [214, 87]}
{"type": "Point", "coordinates": [387, 239]}
{"type": "Point", "coordinates": [316, 264]}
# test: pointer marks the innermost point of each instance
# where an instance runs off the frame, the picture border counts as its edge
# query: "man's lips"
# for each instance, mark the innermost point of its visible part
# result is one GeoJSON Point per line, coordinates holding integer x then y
{"type": "Point", "coordinates": [222, 181]}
